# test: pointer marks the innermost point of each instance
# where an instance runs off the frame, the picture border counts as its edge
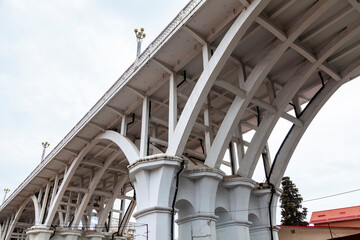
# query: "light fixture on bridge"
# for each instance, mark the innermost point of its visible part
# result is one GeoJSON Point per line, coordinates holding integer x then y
{"type": "Point", "coordinates": [45, 146]}
{"type": "Point", "coordinates": [6, 190]}
{"type": "Point", "coordinates": [140, 35]}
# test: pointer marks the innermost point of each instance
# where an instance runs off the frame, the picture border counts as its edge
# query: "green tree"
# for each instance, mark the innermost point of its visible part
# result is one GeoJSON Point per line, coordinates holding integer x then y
{"type": "Point", "coordinates": [292, 212]}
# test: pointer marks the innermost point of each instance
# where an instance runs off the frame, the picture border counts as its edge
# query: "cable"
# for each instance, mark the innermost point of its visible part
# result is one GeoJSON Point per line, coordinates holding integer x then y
{"type": "Point", "coordinates": [249, 209]}
{"type": "Point", "coordinates": [333, 195]}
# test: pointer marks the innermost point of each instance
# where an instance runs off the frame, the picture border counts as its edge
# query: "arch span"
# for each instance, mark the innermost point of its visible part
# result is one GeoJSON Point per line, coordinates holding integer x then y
{"type": "Point", "coordinates": [129, 149]}
{"type": "Point", "coordinates": [19, 212]}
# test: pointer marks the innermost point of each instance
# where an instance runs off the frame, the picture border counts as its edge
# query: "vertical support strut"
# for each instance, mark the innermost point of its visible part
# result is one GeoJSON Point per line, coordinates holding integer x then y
{"type": "Point", "coordinates": [172, 106]}
{"type": "Point", "coordinates": [144, 128]}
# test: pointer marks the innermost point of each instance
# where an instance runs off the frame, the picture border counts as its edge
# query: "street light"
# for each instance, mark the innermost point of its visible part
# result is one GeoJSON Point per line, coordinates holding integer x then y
{"type": "Point", "coordinates": [6, 190]}
{"type": "Point", "coordinates": [140, 35]}
{"type": "Point", "coordinates": [45, 146]}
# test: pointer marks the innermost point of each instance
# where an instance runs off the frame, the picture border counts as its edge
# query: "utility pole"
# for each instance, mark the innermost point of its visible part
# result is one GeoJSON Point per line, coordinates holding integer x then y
{"type": "Point", "coordinates": [45, 146]}
{"type": "Point", "coordinates": [6, 190]}
{"type": "Point", "coordinates": [140, 35]}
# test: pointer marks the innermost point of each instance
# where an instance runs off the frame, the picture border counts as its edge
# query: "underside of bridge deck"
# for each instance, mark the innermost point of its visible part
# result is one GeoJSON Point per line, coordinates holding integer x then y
{"type": "Point", "coordinates": [155, 143]}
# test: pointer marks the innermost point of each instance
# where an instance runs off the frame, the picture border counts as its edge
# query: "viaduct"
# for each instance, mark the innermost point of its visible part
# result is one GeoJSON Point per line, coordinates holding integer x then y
{"type": "Point", "coordinates": [156, 140]}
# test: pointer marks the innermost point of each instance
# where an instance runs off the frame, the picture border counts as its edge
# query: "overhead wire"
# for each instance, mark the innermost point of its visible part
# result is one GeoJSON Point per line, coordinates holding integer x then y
{"type": "Point", "coordinates": [241, 210]}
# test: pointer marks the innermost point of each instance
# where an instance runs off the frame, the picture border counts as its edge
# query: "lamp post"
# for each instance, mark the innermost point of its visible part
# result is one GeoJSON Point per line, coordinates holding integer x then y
{"type": "Point", "coordinates": [6, 190]}
{"type": "Point", "coordinates": [45, 146]}
{"type": "Point", "coordinates": [140, 35]}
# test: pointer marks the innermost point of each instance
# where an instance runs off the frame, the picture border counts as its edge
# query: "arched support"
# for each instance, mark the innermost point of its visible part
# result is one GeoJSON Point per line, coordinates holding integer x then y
{"type": "Point", "coordinates": [293, 138]}
{"type": "Point", "coordinates": [210, 73]}
{"type": "Point", "coordinates": [37, 208]}
{"type": "Point", "coordinates": [129, 149]}
{"type": "Point", "coordinates": [110, 203]}
{"type": "Point", "coordinates": [253, 82]}
{"type": "Point", "coordinates": [268, 123]}
{"type": "Point", "coordinates": [5, 228]}
{"type": "Point", "coordinates": [18, 214]}
{"type": "Point", "coordinates": [92, 186]}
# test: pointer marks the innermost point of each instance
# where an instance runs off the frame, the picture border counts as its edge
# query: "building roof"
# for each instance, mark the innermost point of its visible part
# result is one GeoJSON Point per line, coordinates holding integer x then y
{"type": "Point", "coordinates": [317, 227]}
{"type": "Point", "coordinates": [335, 215]}
{"type": "Point", "coordinates": [351, 237]}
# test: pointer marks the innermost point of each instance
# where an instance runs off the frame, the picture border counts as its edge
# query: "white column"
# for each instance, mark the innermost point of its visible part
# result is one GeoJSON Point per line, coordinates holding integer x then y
{"type": "Point", "coordinates": [38, 233]}
{"type": "Point", "coordinates": [172, 106]}
{"type": "Point", "coordinates": [154, 179]}
{"type": "Point", "coordinates": [259, 205]}
{"type": "Point", "coordinates": [202, 224]}
{"type": "Point", "coordinates": [239, 189]}
{"type": "Point", "coordinates": [44, 203]}
{"type": "Point", "coordinates": [144, 127]}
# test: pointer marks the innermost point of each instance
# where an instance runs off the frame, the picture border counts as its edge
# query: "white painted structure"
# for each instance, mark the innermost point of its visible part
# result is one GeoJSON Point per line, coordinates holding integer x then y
{"type": "Point", "coordinates": [219, 70]}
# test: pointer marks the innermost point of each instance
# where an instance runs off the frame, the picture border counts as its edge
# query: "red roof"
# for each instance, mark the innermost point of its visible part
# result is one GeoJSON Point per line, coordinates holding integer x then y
{"type": "Point", "coordinates": [335, 215]}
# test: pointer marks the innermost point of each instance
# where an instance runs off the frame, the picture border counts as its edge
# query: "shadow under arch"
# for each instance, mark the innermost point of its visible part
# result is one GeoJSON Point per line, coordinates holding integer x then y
{"type": "Point", "coordinates": [255, 220]}
{"type": "Point", "coordinates": [223, 215]}
{"type": "Point", "coordinates": [185, 208]}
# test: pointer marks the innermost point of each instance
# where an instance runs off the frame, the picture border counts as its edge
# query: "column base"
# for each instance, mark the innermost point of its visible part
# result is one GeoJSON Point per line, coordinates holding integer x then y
{"type": "Point", "coordinates": [197, 227]}
{"type": "Point", "coordinates": [67, 234]}
{"type": "Point", "coordinates": [263, 233]}
{"type": "Point", "coordinates": [94, 236]}
{"type": "Point", "coordinates": [233, 230]}
{"type": "Point", "coordinates": [155, 218]}
{"type": "Point", "coordinates": [39, 233]}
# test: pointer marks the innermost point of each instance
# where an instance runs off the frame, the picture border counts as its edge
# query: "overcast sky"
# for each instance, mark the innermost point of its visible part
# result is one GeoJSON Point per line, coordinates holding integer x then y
{"type": "Point", "coordinates": [57, 58]}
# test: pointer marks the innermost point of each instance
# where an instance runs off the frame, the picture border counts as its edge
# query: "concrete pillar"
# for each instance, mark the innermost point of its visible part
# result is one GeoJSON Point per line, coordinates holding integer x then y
{"type": "Point", "coordinates": [94, 236]}
{"type": "Point", "coordinates": [66, 234]}
{"type": "Point", "coordinates": [239, 189]}
{"type": "Point", "coordinates": [154, 181]}
{"type": "Point", "coordinates": [202, 224]}
{"type": "Point", "coordinates": [39, 233]}
{"type": "Point", "coordinates": [259, 206]}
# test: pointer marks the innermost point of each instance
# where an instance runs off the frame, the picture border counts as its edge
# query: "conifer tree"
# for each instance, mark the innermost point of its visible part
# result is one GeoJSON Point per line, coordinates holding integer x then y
{"type": "Point", "coordinates": [292, 212]}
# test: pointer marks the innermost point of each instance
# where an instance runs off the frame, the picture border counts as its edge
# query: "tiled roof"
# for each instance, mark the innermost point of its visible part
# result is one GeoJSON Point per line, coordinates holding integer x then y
{"type": "Point", "coordinates": [335, 215]}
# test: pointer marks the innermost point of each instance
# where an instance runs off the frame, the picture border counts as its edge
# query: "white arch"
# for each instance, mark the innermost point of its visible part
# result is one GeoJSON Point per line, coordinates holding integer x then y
{"type": "Point", "coordinates": [19, 212]}
{"type": "Point", "coordinates": [254, 81]}
{"type": "Point", "coordinates": [129, 149]}
{"type": "Point", "coordinates": [268, 123]}
{"type": "Point", "coordinates": [296, 132]}
{"type": "Point", "coordinates": [104, 213]}
{"type": "Point", "coordinates": [37, 208]}
{"type": "Point", "coordinates": [210, 73]}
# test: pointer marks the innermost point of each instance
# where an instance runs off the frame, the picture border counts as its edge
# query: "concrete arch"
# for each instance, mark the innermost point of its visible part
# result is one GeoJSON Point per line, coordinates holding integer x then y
{"type": "Point", "coordinates": [285, 96]}
{"type": "Point", "coordinates": [20, 211]}
{"type": "Point", "coordinates": [296, 132]}
{"type": "Point", "coordinates": [209, 75]}
{"type": "Point", "coordinates": [129, 149]}
{"type": "Point", "coordinates": [37, 208]}
{"type": "Point", "coordinates": [253, 82]}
